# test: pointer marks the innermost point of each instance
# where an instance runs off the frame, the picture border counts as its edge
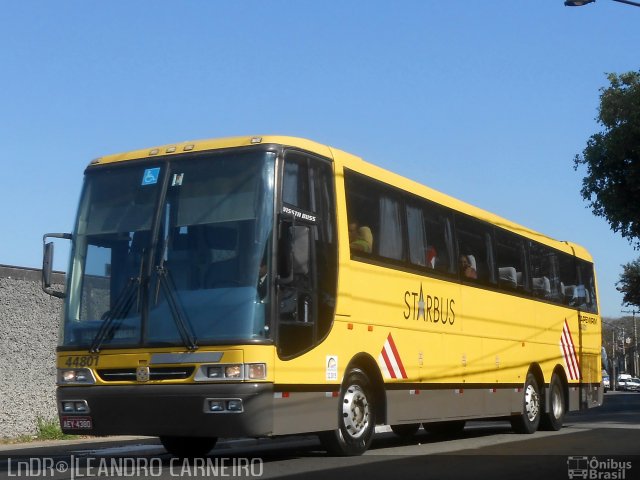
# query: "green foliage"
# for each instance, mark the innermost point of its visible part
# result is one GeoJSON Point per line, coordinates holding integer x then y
{"type": "Point", "coordinates": [612, 157]}
{"type": "Point", "coordinates": [50, 430]}
{"type": "Point", "coordinates": [629, 284]}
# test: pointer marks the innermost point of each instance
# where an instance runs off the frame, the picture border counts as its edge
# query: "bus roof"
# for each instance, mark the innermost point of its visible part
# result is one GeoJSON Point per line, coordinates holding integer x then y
{"type": "Point", "coordinates": [344, 159]}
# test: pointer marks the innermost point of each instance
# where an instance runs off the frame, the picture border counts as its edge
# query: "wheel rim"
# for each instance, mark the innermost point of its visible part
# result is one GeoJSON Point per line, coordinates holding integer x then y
{"type": "Point", "coordinates": [556, 402]}
{"type": "Point", "coordinates": [355, 411]}
{"type": "Point", "coordinates": [531, 402]}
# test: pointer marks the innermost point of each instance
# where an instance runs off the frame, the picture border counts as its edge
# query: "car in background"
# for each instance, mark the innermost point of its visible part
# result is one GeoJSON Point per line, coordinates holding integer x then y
{"type": "Point", "coordinates": [632, 384]}
{"type": "Point", "coordinates": [606, 383]}
{"type": "Point", "coordinates": [621, 381]}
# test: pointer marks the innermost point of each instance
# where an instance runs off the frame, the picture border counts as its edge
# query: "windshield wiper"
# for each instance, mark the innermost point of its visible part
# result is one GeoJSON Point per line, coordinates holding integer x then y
{"type": "Point", "coordinates": [179, 316]}
{"type": "Point", "coordinates": [120, 310]}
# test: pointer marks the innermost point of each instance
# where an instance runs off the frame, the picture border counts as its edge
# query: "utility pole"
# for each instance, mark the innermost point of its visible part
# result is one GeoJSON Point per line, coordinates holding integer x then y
{"type": "Point", "coordinates": [635, 342]}
{"type": "Point", "coordinates": [612, 378]}
{"type": "Point", "coordinates": [624, 351]}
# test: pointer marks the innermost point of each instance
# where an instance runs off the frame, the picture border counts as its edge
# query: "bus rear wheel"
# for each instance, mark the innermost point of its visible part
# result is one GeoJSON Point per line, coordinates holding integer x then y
{"type": "Point", "coordinates": [356, 417]}
{"type": "Point", "coordinates": [554, 418]}
{"type": "Point", "coordinates": [529, 421]}
{"type": "Point", "coordinates": [188, 447]}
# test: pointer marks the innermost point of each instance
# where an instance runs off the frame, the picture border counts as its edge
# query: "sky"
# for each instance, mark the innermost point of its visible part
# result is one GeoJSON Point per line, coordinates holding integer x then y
{"type": "Point", "coordinates": [487, 101]}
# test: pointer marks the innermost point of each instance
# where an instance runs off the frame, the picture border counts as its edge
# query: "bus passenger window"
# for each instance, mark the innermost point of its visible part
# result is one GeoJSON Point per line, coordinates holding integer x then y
{"type": "Point", "coordinates": [475, 245]}
{"type": "Point", "coordinates": [418, 250]}
{"type": "Point", "coordinates": [569, 291]}
{"type": "Point", "coordinates": [544, 272]}
{"type": "Point", "coordinates": [390, 228]}
{"type": "Point", "coordinates": [439, 251]}
{"type": "Point", "coordinates": [362, 214]}
{"type": "Point", "coordinates": [511, 261]}
{"type": "Point", "coordinates": [587, 286]}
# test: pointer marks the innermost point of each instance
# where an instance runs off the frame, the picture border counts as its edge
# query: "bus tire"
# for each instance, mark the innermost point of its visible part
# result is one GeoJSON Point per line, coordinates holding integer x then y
{"type": "Point", "coordinates": [405, 430]}
{"type": "Point", "coordinates": [529, 421]}
{"type": "Point", "coordinates": [356, 417]}
{"type": "Point", "coordinates": [553, 419]}
{"type": "Point", "coordinates": [188, 447]}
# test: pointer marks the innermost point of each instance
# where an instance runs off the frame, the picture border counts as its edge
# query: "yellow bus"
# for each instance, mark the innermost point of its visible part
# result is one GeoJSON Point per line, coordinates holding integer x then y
{"type": "Point", "coordinates": [261, 286]}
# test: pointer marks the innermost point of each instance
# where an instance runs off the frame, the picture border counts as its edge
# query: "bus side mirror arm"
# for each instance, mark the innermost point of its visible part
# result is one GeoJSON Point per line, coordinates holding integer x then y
{"type": "Point", "coordinates": [47, 263]}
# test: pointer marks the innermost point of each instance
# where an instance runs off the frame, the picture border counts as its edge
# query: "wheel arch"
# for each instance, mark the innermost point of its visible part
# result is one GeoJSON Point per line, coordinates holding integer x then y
{"type": "Point", "coordinates": [536, 370]}
{"type": "Point", "coordinates": [369, 366]}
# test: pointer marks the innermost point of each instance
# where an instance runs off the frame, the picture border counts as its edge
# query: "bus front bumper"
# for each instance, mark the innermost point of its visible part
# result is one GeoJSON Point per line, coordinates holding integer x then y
{"type": "Point", "coordinates": [201, 410]}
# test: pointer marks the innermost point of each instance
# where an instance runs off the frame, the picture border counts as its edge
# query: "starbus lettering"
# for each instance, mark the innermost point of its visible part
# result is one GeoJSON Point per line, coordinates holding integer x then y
{"type": "Point", "coordinates": [429, 308]}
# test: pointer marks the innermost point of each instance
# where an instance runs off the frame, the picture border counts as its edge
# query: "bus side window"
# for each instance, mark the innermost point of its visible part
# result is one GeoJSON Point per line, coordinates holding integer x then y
{"type": "Point", "coordinates": [475, 245]}
{"type": "Point", "coordinates": [390, 231]}
{"type": "Point", "coordinates": [362, 215]}
{"type": "Point", "coordinates": [440, 245]}
{"type": "Point", "coordinates": [295, 182]}
{"type": "Point", "coordinates": [418, 252]}
{"type": "Point", "coordinates": [570, 294]}
{"type": "Point", "coordinates": [586, 282]}
{"type": "Point", "coordinates": [545, 282]}
{"type": "Point", "coordinates": [511, 261]}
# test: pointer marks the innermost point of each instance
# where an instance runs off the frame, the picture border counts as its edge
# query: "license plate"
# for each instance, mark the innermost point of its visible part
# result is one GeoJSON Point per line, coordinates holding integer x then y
{"type": "Point", "coordinates": [76, 423]}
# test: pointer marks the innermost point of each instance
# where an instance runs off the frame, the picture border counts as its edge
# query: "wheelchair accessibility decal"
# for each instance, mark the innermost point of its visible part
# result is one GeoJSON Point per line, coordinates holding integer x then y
{"type": "Point", "coordinates": [150, 176]}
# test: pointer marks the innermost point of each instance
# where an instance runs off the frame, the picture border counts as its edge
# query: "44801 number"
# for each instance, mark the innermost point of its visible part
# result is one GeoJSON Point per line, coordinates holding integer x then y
{"type": "Point", "coordinates": [82, 361]}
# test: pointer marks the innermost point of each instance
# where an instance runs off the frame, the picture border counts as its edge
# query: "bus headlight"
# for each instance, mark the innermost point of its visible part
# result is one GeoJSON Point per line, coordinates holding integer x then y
{"type": "Point", "coordinates": [233, 371]}
{"type": "Point", "coordinates": [75, 376]}
{"type": "Point", "coordinates": [256, 371]}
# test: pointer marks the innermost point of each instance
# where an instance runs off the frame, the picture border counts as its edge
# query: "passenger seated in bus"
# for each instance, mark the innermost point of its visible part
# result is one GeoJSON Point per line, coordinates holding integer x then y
{"type": "Point", "coordinates": [360, 238]}
{"type": "Point", "coordinates": [262, 281]}
{"type": "Point", "coordinates": [431, 255]}
{"type": "Point", "coordinates": [541, 286]}
{"type": "Point", "coordinates": [468, 266]}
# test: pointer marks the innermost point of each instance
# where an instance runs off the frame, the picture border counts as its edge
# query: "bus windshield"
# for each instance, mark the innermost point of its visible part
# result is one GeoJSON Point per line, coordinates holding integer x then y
{"type": "Point", "coordinates": [172, 253]}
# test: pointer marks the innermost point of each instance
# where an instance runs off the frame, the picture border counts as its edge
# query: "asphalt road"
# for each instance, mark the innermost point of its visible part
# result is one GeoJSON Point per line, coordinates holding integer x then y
{"type": "Point", "coordinates": [597, 443]}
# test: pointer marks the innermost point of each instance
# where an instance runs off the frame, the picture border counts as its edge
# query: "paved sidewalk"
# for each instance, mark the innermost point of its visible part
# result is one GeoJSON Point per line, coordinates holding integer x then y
{"type": "Point", "coordinates": [90, 442]}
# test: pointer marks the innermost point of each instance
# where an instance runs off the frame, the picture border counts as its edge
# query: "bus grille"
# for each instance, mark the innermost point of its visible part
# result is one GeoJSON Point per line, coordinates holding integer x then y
{"type": "Point", "coordinates": [155, 373]}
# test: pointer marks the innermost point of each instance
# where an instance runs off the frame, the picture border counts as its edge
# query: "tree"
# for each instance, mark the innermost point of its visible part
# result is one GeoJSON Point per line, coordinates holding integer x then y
{"type": "Point", "coordinates": [612, 157]}
{"type": "Point", "coordinates": [629, 283]}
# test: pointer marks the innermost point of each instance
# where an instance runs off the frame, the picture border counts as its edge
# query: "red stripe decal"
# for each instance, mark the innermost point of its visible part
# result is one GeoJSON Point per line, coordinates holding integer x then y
{"type": "Point", "coordinates": [388, 363]}
{"type": "Point", "coordinates": [397, 356]}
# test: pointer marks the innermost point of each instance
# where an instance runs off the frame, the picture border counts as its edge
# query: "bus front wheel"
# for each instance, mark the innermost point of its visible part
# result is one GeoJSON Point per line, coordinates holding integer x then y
{"type": "Point", "coordinates": [532, 409]}
{"type": "Point", "coordinates": [188, 447]}
{"type": "Point", "coordinates": [356, 417]}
